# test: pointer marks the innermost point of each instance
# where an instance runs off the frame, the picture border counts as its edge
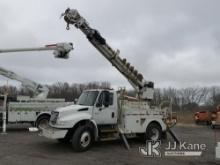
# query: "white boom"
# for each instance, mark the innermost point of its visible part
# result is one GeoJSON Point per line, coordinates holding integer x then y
{"type": "Point", "coordinates": [39, 90]}
{"type": "Point", "coordinates": [144, 88]}
{"type": "Point", "coordinates": [61, 50]}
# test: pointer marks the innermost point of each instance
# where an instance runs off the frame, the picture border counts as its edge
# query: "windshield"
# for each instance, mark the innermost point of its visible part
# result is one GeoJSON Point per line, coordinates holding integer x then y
{"type": "Point", "coordinates": [88, 98]}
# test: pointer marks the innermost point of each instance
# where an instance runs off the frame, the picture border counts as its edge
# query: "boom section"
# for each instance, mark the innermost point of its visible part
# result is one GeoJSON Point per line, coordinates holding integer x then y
{"type": "Point", "coordinates": [39, 90]}
{"type": "Point", "coordinates": [143, 87]}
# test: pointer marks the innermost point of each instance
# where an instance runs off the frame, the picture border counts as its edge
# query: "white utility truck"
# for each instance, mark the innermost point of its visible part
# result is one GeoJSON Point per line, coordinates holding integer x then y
{"type": "Point", "coordinates": [34, 110]}
{"type": "Point", "coordinates": [104, 114]}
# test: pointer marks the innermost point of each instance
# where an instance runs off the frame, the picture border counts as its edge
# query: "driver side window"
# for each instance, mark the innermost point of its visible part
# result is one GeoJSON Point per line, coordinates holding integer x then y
{"type": "Point", "coordinates": [105, 98]}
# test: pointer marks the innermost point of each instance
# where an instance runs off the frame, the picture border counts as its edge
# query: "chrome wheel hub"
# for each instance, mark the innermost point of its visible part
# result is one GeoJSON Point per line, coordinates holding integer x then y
{"type": "Point", "coordinates": [154, 134]}
{"type": "Point", "coordinates": [85, 139]}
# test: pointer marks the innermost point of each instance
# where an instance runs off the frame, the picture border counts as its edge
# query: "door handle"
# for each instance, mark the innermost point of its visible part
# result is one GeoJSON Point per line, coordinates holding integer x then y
{"type": "Point", "coordinates": [113, 114]}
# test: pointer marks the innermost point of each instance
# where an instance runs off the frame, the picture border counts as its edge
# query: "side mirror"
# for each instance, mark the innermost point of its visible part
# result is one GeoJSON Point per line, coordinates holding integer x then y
{"type": "Point", "coordinates": [98, 104]}
{"type": "Point", "coordinates": [106, 104]}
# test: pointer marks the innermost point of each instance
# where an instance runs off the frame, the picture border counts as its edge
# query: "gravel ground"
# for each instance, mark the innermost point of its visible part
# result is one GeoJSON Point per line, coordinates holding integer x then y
{"type": "Point", "coordinates": [20, 147]}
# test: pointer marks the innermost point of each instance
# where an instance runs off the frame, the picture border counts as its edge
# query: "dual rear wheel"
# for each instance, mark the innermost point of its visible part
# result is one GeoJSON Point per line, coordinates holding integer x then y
{"type": "Point", "coordinates": [153, 133]}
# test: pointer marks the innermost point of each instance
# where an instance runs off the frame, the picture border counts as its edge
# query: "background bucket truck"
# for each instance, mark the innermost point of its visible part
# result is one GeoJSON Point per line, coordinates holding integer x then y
{"type": "Point", "coordinates": [34, 110]}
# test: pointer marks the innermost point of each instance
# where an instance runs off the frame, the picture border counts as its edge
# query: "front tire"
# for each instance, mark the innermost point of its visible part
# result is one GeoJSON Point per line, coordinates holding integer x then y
{"type": "Point", "coordinates": [153, 132]}
{"type": "Point", "coordinates": [82, 138]}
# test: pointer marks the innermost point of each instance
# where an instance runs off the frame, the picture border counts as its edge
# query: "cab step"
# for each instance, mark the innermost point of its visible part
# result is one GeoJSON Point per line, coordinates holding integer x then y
{"type": "Point", "coordinates": [108, 135]}
{"type": "Point", "coordinates": [108, 131]}
{"type": "Point", "coordinates": [103, 139]}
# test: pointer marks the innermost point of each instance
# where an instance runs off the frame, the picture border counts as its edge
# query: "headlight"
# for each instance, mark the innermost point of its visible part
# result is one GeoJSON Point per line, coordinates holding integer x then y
{"type": "Point", "coordinates": [54, 117]}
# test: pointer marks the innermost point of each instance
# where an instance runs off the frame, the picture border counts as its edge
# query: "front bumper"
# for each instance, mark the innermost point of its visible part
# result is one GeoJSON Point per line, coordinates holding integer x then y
{"type": "Point", "coordinates": [53, 133]}
{"type": "Point", "coordinates": [215, 123]}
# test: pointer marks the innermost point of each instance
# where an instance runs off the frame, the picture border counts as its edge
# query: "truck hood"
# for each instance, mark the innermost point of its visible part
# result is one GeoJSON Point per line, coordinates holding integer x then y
{"type": "Point", "coordinates": [71, 114]}
{"type": "Point", "coordinates": [72, 108]}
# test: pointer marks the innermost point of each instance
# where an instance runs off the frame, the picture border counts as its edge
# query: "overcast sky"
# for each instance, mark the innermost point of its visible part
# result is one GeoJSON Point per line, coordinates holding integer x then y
{"type": "Point", "coordinates": [172, 42]}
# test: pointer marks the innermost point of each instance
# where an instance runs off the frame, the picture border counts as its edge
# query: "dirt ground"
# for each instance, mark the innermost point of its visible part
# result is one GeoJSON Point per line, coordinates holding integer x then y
{"type": "Point", "coordinates": [20, 147]}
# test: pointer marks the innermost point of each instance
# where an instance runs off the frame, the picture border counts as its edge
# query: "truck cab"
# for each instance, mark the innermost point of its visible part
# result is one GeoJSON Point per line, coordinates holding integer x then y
{"type": "Point", "coordinates": [97, 105]}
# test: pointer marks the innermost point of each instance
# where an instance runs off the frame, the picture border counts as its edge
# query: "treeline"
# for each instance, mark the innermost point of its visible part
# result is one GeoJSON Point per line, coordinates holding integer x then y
{"type": "Point", "coordinates": [58, 90]}
{"type": "Point", "coordinates": [191, 98]}
{"type": "Point", "coordinates": [73, 91]}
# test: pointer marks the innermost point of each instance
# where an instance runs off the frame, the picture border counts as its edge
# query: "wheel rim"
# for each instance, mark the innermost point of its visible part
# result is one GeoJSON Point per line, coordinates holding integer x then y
{"type": "Point", "coordinates": [155, 134]}
{"type": "Point", "coordinates": [85, 139]}
{"type": "Point", "coordinates": [43, 123]}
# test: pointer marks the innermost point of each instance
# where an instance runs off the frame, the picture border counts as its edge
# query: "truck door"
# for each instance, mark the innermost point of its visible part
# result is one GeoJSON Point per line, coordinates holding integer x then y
{"type": "Point", "coordinates": [104, 110]}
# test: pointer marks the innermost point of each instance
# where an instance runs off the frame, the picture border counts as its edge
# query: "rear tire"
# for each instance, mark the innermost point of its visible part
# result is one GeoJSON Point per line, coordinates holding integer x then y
{"type": "Point", "coordinates": [82, 138]}
{"type": "Point", "coordinates": [153, 132]}
{"type": "Point", "coordinates": [43, 121]}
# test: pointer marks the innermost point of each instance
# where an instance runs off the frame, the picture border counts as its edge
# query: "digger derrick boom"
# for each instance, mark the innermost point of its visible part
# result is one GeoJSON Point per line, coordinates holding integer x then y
{"type": "Point", "coordinates": [143, 87]}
